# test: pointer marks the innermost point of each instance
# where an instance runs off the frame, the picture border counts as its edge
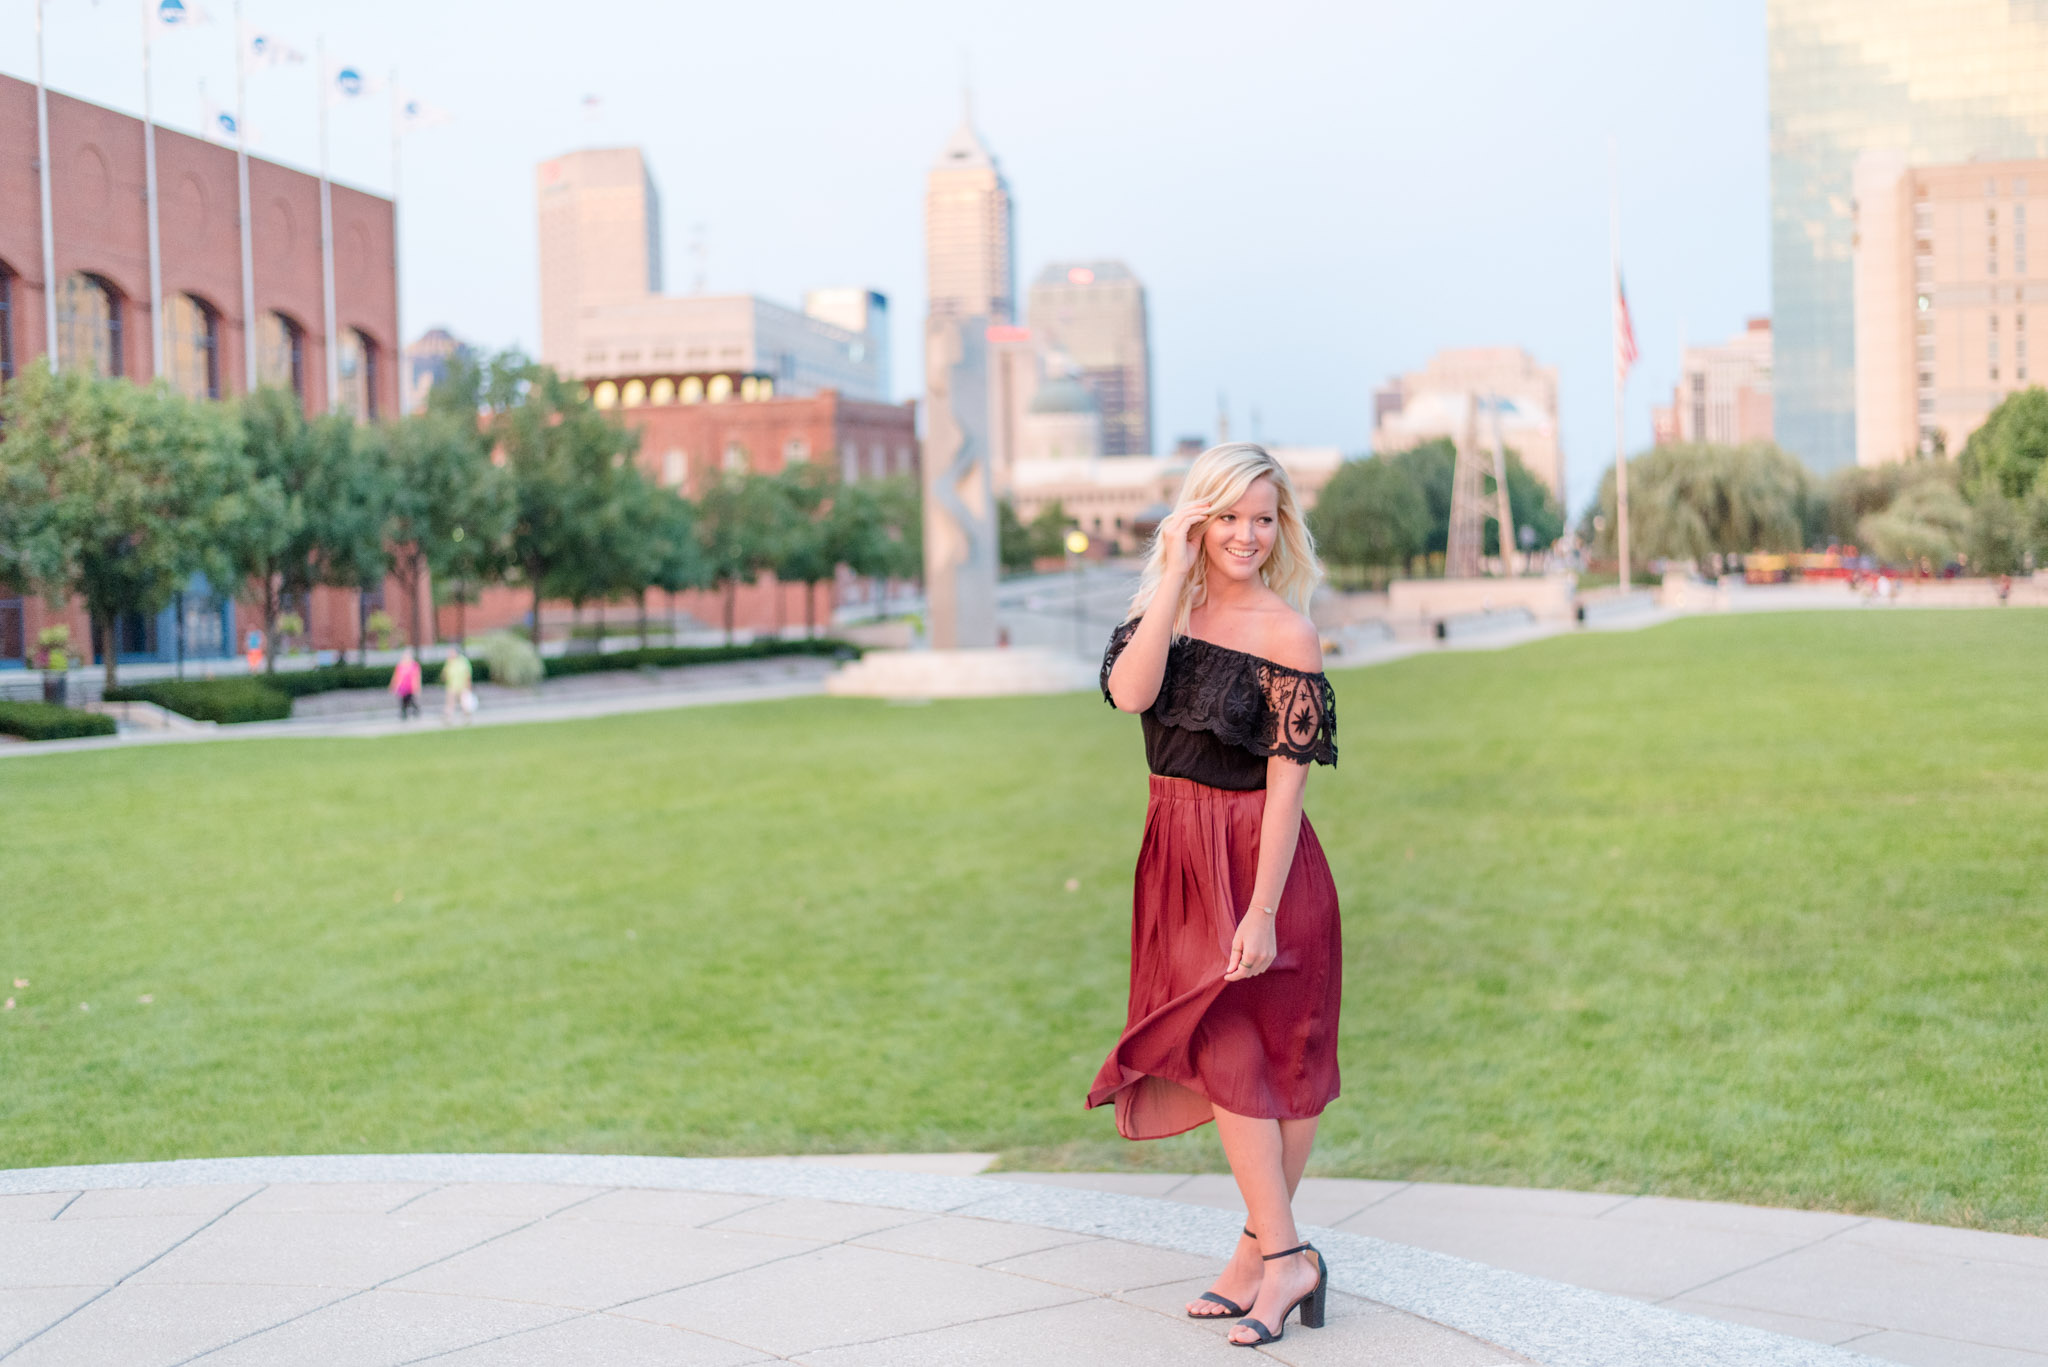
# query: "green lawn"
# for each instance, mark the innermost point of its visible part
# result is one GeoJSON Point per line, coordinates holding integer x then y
{"type": "Point", "coordinates": [1747, 908]}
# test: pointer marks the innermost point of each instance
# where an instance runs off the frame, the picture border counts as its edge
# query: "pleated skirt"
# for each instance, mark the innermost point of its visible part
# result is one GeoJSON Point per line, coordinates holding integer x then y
{"type": "Point", "coordinates": [1266, 1046]}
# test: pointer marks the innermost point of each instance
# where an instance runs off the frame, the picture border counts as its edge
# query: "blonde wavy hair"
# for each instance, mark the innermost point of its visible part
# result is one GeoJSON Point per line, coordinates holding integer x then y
{"type": "Point", "coordinates": [1220, 476]}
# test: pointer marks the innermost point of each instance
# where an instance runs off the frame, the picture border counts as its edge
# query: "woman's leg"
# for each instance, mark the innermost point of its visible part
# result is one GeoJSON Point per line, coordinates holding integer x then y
{"type": "Point", "coordinates": [1259, 1152]}
{"type": "Point", "coordinates": [1242, 1275]}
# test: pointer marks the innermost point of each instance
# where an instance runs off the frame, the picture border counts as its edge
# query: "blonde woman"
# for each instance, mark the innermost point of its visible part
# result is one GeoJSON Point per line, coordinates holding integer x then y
{"type": "Point", "coordinates": [1236, 955]}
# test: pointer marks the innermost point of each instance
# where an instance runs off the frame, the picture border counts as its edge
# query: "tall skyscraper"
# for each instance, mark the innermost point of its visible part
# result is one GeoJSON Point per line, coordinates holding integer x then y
{"type": "Point", "coordinates": [603, 314]}
{"type": "Point", "coordinates": [1723, 394]}
{"type": "Point", "coordinates": [1094, 313]}
{"type": "Point", "coordinates": [1935, 81]}
{"type": "Point", "coordinates": [1942, 288]}
{"type": "Point", "coordinates": [970, 261]}
{"type": "Point", "coordinates": [600, 240]}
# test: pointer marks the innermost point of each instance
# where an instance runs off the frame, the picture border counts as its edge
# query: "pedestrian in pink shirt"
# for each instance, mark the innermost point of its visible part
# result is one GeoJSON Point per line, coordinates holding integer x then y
{"type": "Point", "coordinates": [405, 682]}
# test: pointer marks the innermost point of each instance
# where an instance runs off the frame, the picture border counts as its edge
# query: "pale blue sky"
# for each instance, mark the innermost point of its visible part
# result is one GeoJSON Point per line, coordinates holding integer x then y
{"type": "Point", "coordinates": [1316, 196]}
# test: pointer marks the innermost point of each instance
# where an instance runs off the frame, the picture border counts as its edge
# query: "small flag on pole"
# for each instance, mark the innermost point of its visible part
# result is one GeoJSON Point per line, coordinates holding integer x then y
{"type": "Point", "coordinates": [167, 16]}
{"type": "Point", "coordinates": [415, 113]}
{"type": "Point", "coordinates": [260, 49]}
{"type": "Point", "coordinates": [1624, 334]}
{"type": "Point", "coordinates": [346, 82]}
{"type": "Point", "coordinates": [221, 124]}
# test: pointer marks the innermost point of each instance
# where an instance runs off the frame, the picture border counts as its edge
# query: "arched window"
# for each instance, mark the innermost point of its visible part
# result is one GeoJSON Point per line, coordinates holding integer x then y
{"type": "Point", "coordinates": [192, 346]}
{"type": "Point", "coordinates": [358, 366]}
{"type": "Point", "coordinates": [281, 353]}
{"type": "Point", "coordinates": [6, 323]}
{"type": "Point", "coordinates": [88, 325]}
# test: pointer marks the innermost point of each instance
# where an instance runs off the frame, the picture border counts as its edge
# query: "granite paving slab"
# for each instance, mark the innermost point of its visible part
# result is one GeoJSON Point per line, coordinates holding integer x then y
{"type": "Point", "coordinates": [1888, 1289]}
{"type": "Point", "coordinates": [488, 1258]}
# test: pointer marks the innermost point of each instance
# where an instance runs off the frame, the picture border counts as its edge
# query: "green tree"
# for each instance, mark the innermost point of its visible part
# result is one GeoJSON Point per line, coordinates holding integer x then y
{"type": "Point", "coordinates": [2003, 458]}
{"type": "Point", "coordinates": [679, 561]}
{"type": "Point", "coordinates": [859, 533]}
{"type": "Point", "coordinates": [1048, 531]}
{"type": "Point", "coordinates": [351, 513]}
{"type": "Point", "coordinates": [1013, 539]}
{"type": "Point", "coordinates": [1371, 515]}
{"type": "Point", "coordinates": [1928, 520]}
{"type": "Point", "coordinates": [739, 530]}
{"type": "Point", "coordinates": [1433, 466]}
{"type": "Point", "coordinates": [264, 551]}
{"type": "Point", "coordinates": [115, 493]}
{"type": "Point", "coordinates": [561, 456]}
{"type": "Point", "coordinates": [451, 509]}
{"type": "Point", "coordinates": [1689, 502]}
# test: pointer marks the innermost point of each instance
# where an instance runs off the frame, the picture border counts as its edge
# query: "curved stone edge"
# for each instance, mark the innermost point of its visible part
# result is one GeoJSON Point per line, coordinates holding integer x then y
{"type": "Point", "coordinates": [1549, 1322]}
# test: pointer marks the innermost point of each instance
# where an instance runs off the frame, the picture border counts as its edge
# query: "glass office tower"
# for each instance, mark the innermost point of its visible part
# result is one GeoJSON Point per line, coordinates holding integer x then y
{"type": "Point", "coordinates": [1940, 81]}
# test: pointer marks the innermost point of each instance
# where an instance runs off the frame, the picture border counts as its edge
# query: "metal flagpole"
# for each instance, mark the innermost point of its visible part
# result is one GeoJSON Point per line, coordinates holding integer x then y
{"type": "Point", "coordinates": [397, 297]}
{"type": "Point", "coordinates": [49, 227]}
{"type": "Point", "coordinates": [156, 261]}
{"type": "Point", "coordinates": [327, 237]}
{"type": "Point", "coordinates": [248, 228]}
{"type": "Point", "coordinates": [1620, 373]}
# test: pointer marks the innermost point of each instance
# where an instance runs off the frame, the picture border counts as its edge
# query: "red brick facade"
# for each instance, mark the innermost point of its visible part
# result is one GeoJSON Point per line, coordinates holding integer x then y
{"type": "Point", "coordinates": [99, 213]}
{"type": "Point", "coordinates": [686, 443]}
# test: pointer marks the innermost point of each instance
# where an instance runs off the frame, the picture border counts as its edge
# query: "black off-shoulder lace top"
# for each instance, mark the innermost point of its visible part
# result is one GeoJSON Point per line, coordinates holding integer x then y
{"type": "Point", "coordinates": [1221, 714]}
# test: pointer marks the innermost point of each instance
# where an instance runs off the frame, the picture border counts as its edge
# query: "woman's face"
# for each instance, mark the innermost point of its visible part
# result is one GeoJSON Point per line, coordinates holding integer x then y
{"type": "Point", "coordinates": [1239, 540]}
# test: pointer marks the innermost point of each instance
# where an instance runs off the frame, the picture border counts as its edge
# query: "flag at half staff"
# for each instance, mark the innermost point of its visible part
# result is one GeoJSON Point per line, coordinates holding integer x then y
{"type": "Point", "coordinates": [1624, 335]}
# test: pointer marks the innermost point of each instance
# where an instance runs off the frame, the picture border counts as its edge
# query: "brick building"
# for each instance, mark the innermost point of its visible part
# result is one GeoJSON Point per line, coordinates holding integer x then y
{"type": "Point", "coordinates": [693, 427]}
{"type": "Point", "coordinates": [102, 285]}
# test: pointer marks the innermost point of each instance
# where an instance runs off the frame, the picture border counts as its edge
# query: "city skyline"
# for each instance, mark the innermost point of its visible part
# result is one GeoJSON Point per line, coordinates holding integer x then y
{"type": "Point", "coordinates": [1250, 183]}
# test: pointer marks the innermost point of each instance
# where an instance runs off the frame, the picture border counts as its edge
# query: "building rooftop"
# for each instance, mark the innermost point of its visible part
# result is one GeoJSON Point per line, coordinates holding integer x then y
{"type": "Point", "coordinates": [965, 150]}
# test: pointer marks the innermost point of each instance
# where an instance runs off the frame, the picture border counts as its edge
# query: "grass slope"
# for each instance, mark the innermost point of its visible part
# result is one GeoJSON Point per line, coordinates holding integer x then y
{"type": "Point", "coordinates": [1740, 907]}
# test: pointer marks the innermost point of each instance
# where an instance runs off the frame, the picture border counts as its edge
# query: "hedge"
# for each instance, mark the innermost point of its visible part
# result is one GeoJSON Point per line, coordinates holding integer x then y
{"type": "Point", "coordinates": [50, 721]}
{"type": "Point", "coordinates": [674, 657]}
{"type": "Point", "coordinates": [221, 700]}
{"type": "Point", "coordinates": [268, 697]}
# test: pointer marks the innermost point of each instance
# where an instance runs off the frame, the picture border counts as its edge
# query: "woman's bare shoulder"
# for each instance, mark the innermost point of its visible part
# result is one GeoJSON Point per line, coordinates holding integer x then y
{"type": "Point", "coordinates": [1289, 638]}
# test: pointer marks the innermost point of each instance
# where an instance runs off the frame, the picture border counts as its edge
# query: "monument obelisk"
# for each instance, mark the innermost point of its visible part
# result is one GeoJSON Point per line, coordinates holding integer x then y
{"type": "Point", "coordinates": [960, 552]}
{"type": "Point", "coordinates": [971, 278]}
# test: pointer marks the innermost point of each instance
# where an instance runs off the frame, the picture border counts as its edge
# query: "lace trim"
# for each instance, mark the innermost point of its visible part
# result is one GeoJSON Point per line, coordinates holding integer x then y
{"type": "Point", "coordinates": [1245, 700]}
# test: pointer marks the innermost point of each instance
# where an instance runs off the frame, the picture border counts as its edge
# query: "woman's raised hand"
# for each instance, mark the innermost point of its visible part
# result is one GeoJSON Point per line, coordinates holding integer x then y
{"type": "Point", "coordinates": [1178, 535]}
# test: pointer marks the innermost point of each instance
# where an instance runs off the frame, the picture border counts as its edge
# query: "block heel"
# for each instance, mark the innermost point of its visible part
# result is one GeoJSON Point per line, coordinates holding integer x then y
{"type": "Point", "coordinates": [1311, 1305]}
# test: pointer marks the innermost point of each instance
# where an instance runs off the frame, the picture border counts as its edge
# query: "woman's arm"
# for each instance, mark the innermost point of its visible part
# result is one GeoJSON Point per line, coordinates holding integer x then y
{"type": "Point", "coordinates": [1135, 679]}
{"type": "Point", "coordinates": [1297, 646]}
{"type": "Point", "coordinates": [1253, 947]}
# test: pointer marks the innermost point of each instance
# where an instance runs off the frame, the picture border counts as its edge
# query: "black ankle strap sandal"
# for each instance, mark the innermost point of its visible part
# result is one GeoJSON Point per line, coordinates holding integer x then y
{"type": "Point", "coordinates": [1311, 1306]}
{"type": "Point", "coordinates": [1231, 1309]}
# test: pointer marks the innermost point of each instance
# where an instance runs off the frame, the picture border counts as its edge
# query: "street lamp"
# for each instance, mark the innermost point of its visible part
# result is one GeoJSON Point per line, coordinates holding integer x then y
{"type": "Point", "coordinates": [1077, 546]}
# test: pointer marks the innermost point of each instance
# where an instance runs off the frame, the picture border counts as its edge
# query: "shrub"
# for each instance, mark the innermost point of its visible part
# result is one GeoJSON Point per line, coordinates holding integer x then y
{"type": "Point", "coordinates": [674, 657]}
{"type": "Point", "coordinates": [48, 721]}
{"type": "Point", "coordinates": [505, 657]}
{"type": "Point", "coordinates": [221, 700]}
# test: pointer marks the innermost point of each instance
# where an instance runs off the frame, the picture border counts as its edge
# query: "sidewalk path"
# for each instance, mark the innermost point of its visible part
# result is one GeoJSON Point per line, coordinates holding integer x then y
{"type": "Point", "coordinates": [576, 698]}
{"type": "Point", "coordinates": [502, 1260]}
{"type": "Point", "coordinates": [1922, 1294]}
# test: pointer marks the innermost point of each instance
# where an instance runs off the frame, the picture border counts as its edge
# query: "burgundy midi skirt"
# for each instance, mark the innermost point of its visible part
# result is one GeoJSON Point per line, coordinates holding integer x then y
{"type": "Point", "coordinates": [1266, 1046]}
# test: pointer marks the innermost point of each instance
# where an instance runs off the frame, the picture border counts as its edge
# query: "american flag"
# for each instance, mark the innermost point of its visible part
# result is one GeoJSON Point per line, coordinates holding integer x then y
{"type": "Point", "coordinates": [1624, 334]}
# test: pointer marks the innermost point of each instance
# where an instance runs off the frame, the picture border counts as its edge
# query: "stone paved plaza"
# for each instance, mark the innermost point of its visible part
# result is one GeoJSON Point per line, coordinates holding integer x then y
{"type": "Point", "coordinates": [512, 1259]}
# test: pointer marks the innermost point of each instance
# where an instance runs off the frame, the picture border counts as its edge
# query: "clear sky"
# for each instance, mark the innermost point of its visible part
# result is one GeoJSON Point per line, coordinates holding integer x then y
{"type": "Point", "coordinates": [1315, 195]}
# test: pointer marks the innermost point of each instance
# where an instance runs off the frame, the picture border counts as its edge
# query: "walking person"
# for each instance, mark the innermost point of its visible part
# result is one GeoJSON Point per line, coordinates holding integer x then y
{"type": "Point", "coordinates": [1236, 952]}
{"type": "Point", "coordinates": [405, 683]}
{"type": "Point", "coordinates": [458, 678]}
